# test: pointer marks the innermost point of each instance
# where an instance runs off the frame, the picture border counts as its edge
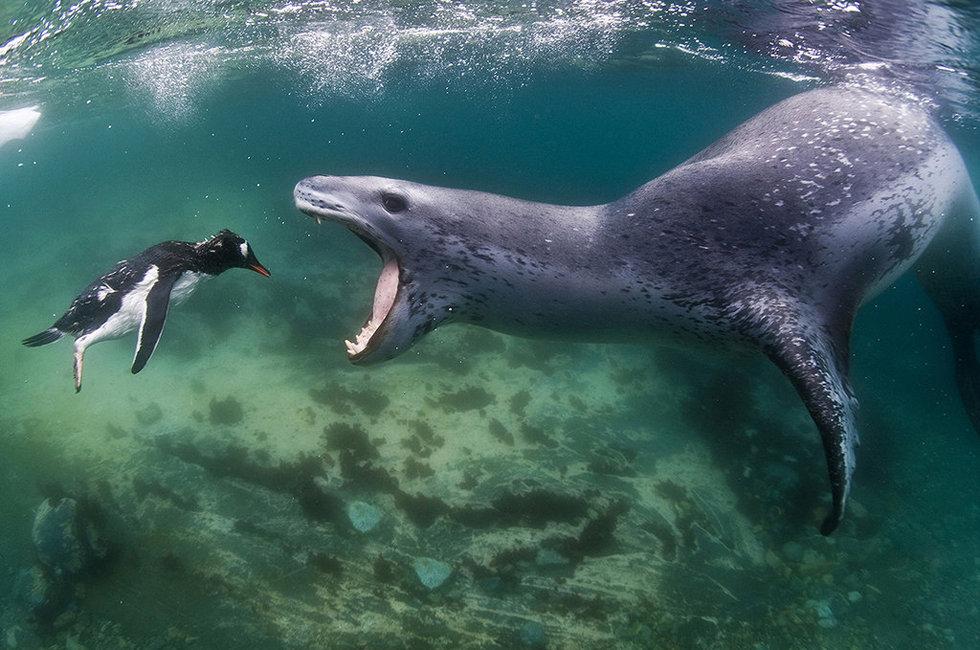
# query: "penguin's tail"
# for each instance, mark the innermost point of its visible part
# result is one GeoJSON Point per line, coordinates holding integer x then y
{"type": "Point", "coordinates": [49, 335]}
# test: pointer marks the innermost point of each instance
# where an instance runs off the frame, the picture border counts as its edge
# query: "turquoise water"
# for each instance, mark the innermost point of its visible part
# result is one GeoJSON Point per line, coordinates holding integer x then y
{"type": "Point", "coordinates": [579, 496]}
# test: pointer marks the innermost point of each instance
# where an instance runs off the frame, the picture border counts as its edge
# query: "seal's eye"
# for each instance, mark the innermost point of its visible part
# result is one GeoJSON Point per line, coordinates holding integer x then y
{"type": "Point", "coordinates": [392, 202]}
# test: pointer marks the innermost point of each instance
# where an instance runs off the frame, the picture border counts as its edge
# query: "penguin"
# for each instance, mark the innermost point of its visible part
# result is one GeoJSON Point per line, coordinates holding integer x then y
{"type": "Point", "coordinates": [138, 292]}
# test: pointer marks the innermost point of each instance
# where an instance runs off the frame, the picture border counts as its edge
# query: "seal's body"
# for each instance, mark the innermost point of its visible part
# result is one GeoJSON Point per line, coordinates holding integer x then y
{"type": "Point", "coordinates": [773, 237]}
{"type": "Point", "coordinates": [138, 292]}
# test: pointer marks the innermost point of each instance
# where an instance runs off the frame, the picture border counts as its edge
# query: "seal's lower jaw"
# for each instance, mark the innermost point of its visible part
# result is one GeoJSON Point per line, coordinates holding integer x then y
{"type": "Point", "coordinates": [380, 323]}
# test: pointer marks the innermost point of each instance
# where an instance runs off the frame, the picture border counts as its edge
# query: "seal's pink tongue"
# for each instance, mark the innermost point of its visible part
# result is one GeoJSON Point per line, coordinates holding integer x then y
{"type": "Point", "coordinates": [384, 293]}
{"type": "Point", "coordinates": [384, 299]}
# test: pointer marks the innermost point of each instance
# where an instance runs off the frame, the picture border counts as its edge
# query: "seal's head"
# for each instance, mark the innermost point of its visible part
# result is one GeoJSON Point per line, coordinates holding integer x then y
{"type": "Point", "coordinates": [399, 220]}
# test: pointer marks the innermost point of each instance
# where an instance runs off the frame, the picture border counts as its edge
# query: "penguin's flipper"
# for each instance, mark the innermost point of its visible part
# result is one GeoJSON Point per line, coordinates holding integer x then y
{"type": "Point", "coordinates": [812, 351]}
{"type": "Point", "coordinates": [154, 317]}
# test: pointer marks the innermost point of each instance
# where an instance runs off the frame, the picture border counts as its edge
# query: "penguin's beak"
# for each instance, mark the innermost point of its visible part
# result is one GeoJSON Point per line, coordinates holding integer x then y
{"type": "Point", "coordinates": [258, 268]}
{"type": "Point", "coordinates": [252, 262]}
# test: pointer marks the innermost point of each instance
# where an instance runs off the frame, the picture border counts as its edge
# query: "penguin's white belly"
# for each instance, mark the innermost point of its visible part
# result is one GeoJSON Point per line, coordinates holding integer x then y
{"type": "Point", "coordinates": [185, 286]}
{"type": "Point", "coordinates": [130, 313]}
{"type": "Point", "coordinates": [133, 306]}
{"type": "Point", "coordinates": [122, 322]}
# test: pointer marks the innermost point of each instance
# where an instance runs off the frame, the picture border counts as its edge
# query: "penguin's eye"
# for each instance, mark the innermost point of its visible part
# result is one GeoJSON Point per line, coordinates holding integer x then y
{"type": "Point", "coordinates": [392, 202]}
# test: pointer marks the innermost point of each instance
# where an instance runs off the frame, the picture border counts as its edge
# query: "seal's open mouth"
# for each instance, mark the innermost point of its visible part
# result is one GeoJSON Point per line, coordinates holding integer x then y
{"type": "Point", "coordinates": [378, 324]}
{"type": "Point", "coordinates": [384, 299]}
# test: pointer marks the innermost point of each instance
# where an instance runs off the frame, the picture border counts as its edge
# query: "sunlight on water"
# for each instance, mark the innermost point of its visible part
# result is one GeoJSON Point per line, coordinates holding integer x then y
{"type": "Point", "coordinates": [174, 75]}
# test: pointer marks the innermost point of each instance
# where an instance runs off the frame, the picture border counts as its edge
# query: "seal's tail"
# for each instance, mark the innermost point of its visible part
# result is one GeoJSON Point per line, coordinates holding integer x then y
{"type": "Point", "coordinates": [49, 335]}
{"type": "Point", "coordinates": [950, 273]}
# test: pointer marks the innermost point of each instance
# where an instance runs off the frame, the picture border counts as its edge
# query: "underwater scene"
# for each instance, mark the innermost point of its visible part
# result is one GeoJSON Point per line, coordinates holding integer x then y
{"type": "Point", "coordinates": [513, 478]}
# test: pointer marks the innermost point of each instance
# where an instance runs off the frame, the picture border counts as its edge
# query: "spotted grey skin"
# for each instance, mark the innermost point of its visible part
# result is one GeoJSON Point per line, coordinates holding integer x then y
{"type": "Point", "coordinates": [772, 237]}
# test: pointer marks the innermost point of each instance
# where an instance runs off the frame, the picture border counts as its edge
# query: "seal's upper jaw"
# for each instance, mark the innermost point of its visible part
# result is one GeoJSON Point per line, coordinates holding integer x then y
{"type": "Point", "coordinates": [326, 198]}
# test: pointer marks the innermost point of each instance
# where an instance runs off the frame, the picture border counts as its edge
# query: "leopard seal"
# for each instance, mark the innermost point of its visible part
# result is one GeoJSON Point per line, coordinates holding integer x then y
{"type": "Point", "coordinates": [772, 237]}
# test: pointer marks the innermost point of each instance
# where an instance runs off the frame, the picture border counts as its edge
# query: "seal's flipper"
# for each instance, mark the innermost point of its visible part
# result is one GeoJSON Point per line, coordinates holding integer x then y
{"type": "Point", "coordinates": [962, 325]}
{"type": "Point", "coordinates": [814, 357]}
{"type": "Point", "coordinates": [154, 317]}
{"type": "Point", "coordinates": [950, 273]}
{"type": "Point", "coordinates": [967, 371]}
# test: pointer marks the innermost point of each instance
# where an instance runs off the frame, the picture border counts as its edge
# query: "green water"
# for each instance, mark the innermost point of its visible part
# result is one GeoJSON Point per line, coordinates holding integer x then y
{"type": "Point", "coordinates": [584, 496]}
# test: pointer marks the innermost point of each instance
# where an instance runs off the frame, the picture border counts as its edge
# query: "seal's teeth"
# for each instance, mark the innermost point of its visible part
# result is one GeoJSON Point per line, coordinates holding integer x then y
{"type": "Point", "coordinates": [363, 338]}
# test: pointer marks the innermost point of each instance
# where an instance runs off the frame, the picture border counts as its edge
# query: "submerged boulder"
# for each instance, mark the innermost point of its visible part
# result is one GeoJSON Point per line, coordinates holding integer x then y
{"type": "Point", "coordinates": [363, 516]}
{"type": "Point", "coordinates": [56, 537]}
{"type": "Point", "coordinates": [432, 573]}
{"type": "Point", "coordinates": [67, 540]}
{"type": "Point", "coordinates": [33, 588]}
{"type": "Point", "coordinates": [532, 635]}
{"type": "Point", "coordinates": [20, 636]}
{"type": "Point", "coordinates": [825, 615]}
{"type": "Point", "coordinates": [42, 595]}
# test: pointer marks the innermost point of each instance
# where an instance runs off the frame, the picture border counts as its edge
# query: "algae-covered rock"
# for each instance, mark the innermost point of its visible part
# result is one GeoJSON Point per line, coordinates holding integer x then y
{"type": "Point", "coordinates": [227, 411]}
{"type": "Point", "coordinates": [20, 636]}
{"type": "Point", "coordinates": [33, 588]}
{"type": "Point", "coordinates": [41, 594]}
{"type": "Point", "coordinates": [67, 537]}
{"type": "Point", "coordinates": [793, 551]}
{"type": "Point", "coordinates": [432, 573]}
{"type": "Point", "coordinates": [547, 557]}
{"type": "Point", "coordinates": [532, 635]}
{"type": "Point", "coordinates": [150, 414]}
{"type": "Point", "coordinates": [825, 615]}
{"type": "Point", "coordinates": [56, 537]}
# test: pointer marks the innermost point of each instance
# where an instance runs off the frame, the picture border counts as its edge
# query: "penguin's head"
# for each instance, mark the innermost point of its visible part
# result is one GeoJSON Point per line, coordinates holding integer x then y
{"type": "Point", "coordinates": [228, 250]}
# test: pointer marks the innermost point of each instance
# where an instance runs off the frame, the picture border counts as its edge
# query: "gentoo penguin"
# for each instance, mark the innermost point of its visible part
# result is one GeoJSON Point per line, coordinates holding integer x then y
{"type": "Point", "coordinates": [138, 291]}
